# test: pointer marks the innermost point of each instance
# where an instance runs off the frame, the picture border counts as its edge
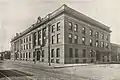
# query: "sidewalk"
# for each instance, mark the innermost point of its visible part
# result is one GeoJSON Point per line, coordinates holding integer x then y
{"type": "Point", "coordinates": [55, 65]}
{"type": "Point", "coordinates": [46, 65]}
{"type": "Point", "coordinates": [31, 63]}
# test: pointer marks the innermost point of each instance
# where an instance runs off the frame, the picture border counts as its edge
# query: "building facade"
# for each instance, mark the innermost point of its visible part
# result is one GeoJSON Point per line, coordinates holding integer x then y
{"type": "Point", "coordinates": [1, 56]}
{"type": "Point", "coordinates": [115, 53]}
{"type": "Point", "coordinates": [5, 55]}
{"type": "Point", "coordinates": [64, 36]}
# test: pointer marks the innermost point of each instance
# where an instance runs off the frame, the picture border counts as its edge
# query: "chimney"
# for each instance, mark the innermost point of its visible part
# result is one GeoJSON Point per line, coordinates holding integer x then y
{"type": "Point", "coordinates": [17, 34]}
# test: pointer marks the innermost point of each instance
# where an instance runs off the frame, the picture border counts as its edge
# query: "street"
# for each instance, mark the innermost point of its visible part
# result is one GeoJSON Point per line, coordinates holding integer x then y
{"type": "Point", "coordinates": [16, 71]}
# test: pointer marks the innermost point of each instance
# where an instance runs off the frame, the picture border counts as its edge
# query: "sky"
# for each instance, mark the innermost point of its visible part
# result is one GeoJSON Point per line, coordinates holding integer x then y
{"type": "Point", "coordinates": [18, 15]}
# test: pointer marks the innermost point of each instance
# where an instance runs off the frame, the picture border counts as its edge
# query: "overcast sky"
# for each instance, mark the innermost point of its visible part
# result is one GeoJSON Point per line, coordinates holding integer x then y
{"type": "Point", "coordinates": [17, 15]}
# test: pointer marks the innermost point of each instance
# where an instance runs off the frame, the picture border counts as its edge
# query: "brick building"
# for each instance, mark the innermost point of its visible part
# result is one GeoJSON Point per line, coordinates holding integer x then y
{"type": "Point", "coordinates": [5, 55]}
{"type": "Point", "coordinates": [115, 52]}
{"type": "Point", "coordinates": [64, 36]}
{"type": "Point", "coordinates": [1, 56]}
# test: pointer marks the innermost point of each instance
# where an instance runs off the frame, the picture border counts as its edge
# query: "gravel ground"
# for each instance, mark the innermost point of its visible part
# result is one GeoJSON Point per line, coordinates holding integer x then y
{"type": "Point", "coordinates": [86, 72]}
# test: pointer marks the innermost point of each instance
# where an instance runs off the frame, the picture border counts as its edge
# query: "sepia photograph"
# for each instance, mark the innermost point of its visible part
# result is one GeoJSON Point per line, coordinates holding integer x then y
{"type": "Point", "coordinates": [59, 40]}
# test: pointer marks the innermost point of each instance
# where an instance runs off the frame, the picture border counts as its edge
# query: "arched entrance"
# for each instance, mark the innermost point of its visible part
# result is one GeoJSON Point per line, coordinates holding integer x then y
{"type": "Point", "coordinates": [38, 56]}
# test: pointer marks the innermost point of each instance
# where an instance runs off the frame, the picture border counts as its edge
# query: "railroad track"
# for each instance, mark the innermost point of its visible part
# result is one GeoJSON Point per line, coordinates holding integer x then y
{"type": "Point", "coordinates": [14, 75]}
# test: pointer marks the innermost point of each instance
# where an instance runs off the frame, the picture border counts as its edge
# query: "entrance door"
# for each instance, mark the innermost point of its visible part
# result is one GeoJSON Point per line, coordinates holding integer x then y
{"type": "Point", "coordinates": [97, 56]}
{"type": "Point", "coordinates": [38, 55]}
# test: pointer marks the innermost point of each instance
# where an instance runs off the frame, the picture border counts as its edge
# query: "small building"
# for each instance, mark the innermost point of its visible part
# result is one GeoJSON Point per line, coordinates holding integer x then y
{"type": "Point", "coordinates": [5, 55]}
{"type": "Point", "coordinates": [115, 52]}
{"type": "Point", "coordinates": [1, 56]}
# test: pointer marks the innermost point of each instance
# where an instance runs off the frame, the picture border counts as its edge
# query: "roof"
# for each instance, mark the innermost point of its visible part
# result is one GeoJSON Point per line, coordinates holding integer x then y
{"type": "Point", "coordinates": [67, 10]}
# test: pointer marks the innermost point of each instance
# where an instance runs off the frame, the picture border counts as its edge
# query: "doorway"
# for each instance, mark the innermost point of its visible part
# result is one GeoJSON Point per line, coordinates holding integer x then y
{"type": "Point", "coordinates": [98, 56]}
{"type": "Point", "coordinates": [38, 55]}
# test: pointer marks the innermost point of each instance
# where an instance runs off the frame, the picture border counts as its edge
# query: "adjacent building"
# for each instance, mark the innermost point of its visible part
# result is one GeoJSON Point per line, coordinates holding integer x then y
{"type": "Point", "coordinates": [64, 36]}
{"type": "Point", "coordinates": [115, 53]}
{"type": "Point", "coordinates": [5, 55]}
{"type": "Point", "coordinates": [1, 56]}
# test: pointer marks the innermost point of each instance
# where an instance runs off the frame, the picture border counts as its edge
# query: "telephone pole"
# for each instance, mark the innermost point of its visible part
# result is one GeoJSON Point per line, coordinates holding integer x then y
{"type": "Point", "coordinates": [49, 42]}
{"type": "Point", "coordinates": [49, 45]}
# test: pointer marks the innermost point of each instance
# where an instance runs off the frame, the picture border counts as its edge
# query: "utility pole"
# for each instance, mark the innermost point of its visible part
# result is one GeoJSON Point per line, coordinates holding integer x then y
{"type": "Point", "coordinates": [49, 45]}
{"type": "Point", "coordinates": [49, 61]}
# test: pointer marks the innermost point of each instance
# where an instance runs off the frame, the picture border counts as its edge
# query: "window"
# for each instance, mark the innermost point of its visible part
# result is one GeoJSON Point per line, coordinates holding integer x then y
{"type": "Point", "coordinates": [42, 60]}
{"type": "Point", "coordinates": [97, 43]}
{"type": "Point", "coordinates": [29, 55]}
{"type": "Point", "coordinates": [53, 39]}
{"type": "Point", "coordinates": [26, 46]}
{"type": "Point", "coordinates": [106, 45]}
{"type": "Point", "coordinates": [42, 53]}
{"type": "Point", "coordinates": [39, 37]}
{"type": "Point", "coordinates": [97, 35]}
{"type": "Point", "coordinates": [39, 34]}
{"type": "Point", "coordinates": [58, 52]}
{"type": "Point", "coordinates": [44, 36]}
{"type": "Point", "coordinates": [52, 61]}
{"type": "Point", "coordinates": [70, 25]}
{"type": "Point", "coordinates": [26, 55]}
{"type": "Point", "coordinates": [76, 60]}
{"type": "Point", "coordinates": [52, 53]}
{"type": "Point", "coordinates": [92, 60]}
{"type": "Point", "coordinates": [91, 32]}
{"type": "Point", "coordinates": [57, 60]}
{"type": "Point", "coordinates": [29, 37]}
{"type": "Point", "coordinates": [70, 52]}
{"type": "Point", "coordinates": [83, 40]}
{"type": "Point", "coordinates": [106, 37]}
{"type": "Point", "coordinates": [76, 52]}
{"type": "Point", "coordinates": [91, 53]}
{"type": "Point", "coordinates": [21, 47]}
{"type": "Point", "coordinates": [29, 45]}
{"type": "Point", "coordinates": [70, 38]}
{"type": "Point", "coordinates": [102, 44]}
{"type": "Point", "coordinates": [58, 26]}
{"type": "Point", "coordinates": [39, 42]}
{"type": "Point", "coordinates": [26, 39]}
{"type": "Point", "coordinates": [102, 36]}
{"type": "Point", "coordinates": [83, 30]}
{"type": "Point", "coordinates": [35, 38]}
{"type": "Point", "coordinates": [23, 55]}
{"type": "Point", "coordinates": [21, 41]}
{"type": "Point", "coordinates": [58, 38]}
{"type": "Point", "coordinates": [76, 27]}
{"type": "Point", "coordinates": [91, 42]}
{"type": "Point", "coordinates": [76, 39]}
{"type": "Point", "coordinates": [84, 53]}
{"type": "Point", "coordinates": [33, 54]}
{"type": "Point", "coordinates": [53, 28]}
